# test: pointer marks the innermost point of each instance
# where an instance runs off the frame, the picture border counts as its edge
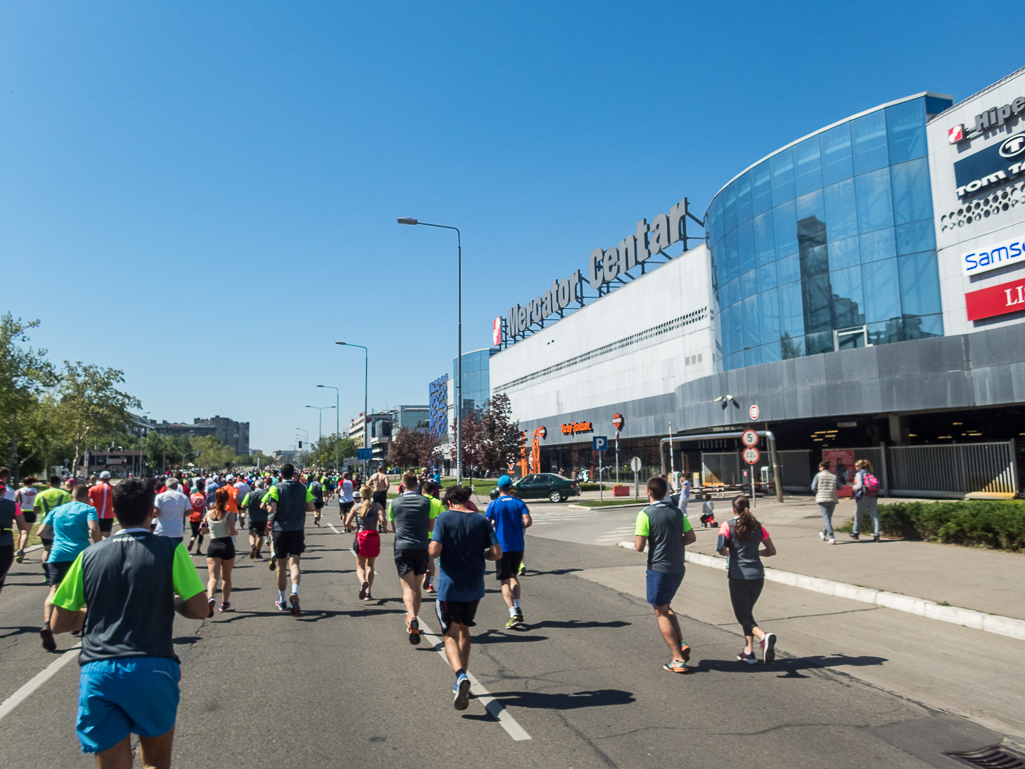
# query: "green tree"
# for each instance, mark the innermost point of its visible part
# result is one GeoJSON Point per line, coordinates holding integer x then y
{"type": "Point", "coordinates": [501, 439]}
{"type": "Point", "coordinates": [155, 446]}
{"type": "Point", "coordinates": [91, 403]}
{"type": "Point", "coordinates": [24, 373]}
{"type": "Point", "coordinates": [43, 430]}
{"type": "Point", "coordinates": [213, 454]}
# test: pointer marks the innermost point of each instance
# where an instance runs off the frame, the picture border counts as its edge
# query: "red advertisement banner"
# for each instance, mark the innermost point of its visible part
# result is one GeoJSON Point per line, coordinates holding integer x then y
{"type": "Point", "coordinates": [996, 300]}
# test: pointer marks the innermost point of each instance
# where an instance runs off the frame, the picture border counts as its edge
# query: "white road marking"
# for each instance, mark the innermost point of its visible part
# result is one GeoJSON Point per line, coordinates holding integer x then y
{"type": "Point", "coordinates": [333, 528]}
{"type": "Point", "coordinates": [493, 706]}
{"type": "Point", "coordinates": [38, 680]}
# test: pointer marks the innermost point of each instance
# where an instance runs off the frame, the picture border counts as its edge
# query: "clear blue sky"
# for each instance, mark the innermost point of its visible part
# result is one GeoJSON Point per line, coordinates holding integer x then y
{"type": "Point", "coordinates": [204, 194]}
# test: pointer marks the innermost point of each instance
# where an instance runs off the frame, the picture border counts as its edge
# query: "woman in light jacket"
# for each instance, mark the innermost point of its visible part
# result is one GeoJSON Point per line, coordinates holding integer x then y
{"type": "Point", "coordinates": [824, 486]}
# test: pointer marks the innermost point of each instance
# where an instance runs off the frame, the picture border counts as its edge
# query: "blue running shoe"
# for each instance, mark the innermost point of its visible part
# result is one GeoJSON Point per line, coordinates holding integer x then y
{"type": "Point", "coordinates": [462, 693]}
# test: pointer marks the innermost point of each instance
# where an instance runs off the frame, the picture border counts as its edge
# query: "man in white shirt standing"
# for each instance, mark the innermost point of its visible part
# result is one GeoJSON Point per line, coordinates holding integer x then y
{"type": "Point", "coordinates": [172, 506]}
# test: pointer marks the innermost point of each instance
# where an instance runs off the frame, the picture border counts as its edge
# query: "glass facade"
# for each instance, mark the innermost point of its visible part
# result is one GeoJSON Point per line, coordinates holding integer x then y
{"type": "Point", "coordinates": [476, 379]}
{"type": "Point", "coordinates": [830, 243]}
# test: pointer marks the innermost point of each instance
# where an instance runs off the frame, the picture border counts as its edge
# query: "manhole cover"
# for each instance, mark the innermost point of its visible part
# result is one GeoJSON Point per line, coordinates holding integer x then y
{"type": "Point", "coordinates": [993, 757]}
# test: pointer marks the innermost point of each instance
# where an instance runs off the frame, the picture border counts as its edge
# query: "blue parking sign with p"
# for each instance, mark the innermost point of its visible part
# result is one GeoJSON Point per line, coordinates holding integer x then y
{"type": "Point", "coordinates": [599, 443]}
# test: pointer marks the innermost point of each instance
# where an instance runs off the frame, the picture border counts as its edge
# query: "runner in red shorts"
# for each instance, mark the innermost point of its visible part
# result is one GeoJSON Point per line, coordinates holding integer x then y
{"type": "Point", "coordinates": [364, 520]}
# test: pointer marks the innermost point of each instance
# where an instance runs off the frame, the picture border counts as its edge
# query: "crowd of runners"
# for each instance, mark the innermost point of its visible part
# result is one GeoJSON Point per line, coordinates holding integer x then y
{"type": "Point", "coordinates": [119, 591]}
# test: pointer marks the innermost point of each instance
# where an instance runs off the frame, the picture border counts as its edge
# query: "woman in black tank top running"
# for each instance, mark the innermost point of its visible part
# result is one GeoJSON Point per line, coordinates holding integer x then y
{"type": "Point", "coordinates": [364, 519]}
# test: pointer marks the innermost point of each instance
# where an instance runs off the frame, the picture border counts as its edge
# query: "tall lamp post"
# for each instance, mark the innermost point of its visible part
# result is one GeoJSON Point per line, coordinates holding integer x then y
{"type": "Point", "coordinates": [366, 416]}
{"type": "Point", "coordinates": [459, 338]}
{"type": "Point", "coordinates": [320, 428]}
{"type": "Point", "coordinates": [338, 429]}
{"type": "Point", "coordinates": [307, 440]}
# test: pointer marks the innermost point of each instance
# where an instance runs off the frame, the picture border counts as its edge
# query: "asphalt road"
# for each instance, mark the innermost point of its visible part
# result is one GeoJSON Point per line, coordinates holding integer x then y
{"type": "Point", "coordinates": [342, 687]}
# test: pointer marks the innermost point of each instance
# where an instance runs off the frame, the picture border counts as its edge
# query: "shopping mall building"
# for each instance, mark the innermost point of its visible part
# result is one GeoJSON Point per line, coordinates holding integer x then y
{"type": "Point", "coordinates": [858, 292]}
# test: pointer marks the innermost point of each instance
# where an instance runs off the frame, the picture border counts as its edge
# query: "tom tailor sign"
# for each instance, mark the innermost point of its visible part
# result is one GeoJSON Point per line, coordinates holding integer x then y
{"type": "Point", "coordinates": [991, 166]}
{"type": "Point", "coordinates": [996, 300]}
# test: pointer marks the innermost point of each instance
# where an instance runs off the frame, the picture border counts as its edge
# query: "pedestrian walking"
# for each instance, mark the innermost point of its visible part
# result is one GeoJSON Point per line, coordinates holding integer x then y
{"type": "Point", "coordinates": [461, 542]}
{"type": "Point", "coordinates": [745, 542]}
{"type": "Point", "coordinates": [121, 594]}
{"type": "Point", "coordinates": [663, 529]}
{"type": "Point", "coordinates": [365, 520]}
{"type": "Point", "coordinates": [866, 489]}
{"type": "Point", "coordinates": [824, 486]}
{"type": "Point", "coordinates": [220, 553]}
{"type": "Point", "coordinates": [510, 518]}
{"type": "Point", "coordinates": [75, 526]}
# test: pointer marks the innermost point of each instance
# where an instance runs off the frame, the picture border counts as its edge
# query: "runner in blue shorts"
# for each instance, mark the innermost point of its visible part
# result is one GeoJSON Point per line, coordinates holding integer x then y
{"type": "Point", "coordinates": [129, 583]}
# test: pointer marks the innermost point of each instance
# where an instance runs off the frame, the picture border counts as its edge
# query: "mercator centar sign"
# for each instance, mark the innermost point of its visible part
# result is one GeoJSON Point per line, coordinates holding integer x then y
{"type": "Point", "coordinates": [604, 266]}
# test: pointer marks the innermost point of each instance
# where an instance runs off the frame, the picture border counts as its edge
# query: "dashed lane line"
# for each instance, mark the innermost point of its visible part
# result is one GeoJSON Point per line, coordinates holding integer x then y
{"type": "Point", "coordinates": [491, 705]}
{"type": "Point", "coordinates": [38, 680]}
{"type": "Point", "coordinates": [333, 528]}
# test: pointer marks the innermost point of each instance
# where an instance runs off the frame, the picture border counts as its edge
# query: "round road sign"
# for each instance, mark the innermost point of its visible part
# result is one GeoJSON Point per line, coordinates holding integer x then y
{"type": "Point", "coordinates": [749, 438]}
{"type": "Point", "coordinates": [753, 412]}
{"type": "Point", "coordinates": [617, 421]}
{"type": "Point", "coordinates": [751, 455]}
{"type": "Point", "coordinates": [635, 464]}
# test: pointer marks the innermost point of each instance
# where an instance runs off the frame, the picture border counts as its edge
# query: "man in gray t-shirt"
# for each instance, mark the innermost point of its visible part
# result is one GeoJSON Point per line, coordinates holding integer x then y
{"type": "Point", "coordinates": [412, 520]}
{"type": "Point", "coordinates": [664, 529]}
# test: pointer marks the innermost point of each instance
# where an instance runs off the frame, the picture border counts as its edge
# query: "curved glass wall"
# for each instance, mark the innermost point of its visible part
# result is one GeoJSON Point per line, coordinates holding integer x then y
{"type": "Point", "coordinates": [829, 244]}
{"type": "Point", "coordinates": [476, 379]}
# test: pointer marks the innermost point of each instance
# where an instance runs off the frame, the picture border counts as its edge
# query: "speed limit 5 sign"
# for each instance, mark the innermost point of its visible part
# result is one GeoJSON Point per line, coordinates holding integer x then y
{"type": "Point", "coordinates": [749, 438]}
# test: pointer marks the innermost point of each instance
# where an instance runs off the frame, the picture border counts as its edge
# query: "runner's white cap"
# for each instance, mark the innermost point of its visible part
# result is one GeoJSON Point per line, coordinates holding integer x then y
{"type": "Point", "coordinates": [231, 477]}
{"type": "Point", "coordinates": [104, 475]}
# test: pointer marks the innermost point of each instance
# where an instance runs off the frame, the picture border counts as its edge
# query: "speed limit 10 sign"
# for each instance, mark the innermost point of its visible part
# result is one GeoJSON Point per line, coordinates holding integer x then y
{"type": "Point", "coordinates": [751, 455]}
{"type": "Point", "coordinates": [749, 438]}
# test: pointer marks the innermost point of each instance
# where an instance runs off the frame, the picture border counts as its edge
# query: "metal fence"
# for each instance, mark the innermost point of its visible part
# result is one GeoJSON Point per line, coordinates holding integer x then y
{"type": "Point", "coordinates": [720, 468]}
{"type": "Point", "coordinates": [953, 470]}
{"type": "Point", "coordinates": [795, 467]}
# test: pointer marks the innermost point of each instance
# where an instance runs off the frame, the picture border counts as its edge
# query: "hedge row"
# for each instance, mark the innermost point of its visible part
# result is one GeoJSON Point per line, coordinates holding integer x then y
{"type": "Point", "coordinates": [995, 524]}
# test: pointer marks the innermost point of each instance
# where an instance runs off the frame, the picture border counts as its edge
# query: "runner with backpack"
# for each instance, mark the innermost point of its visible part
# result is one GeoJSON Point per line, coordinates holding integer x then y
{"type": "Point", "coordinates": [866, 489]}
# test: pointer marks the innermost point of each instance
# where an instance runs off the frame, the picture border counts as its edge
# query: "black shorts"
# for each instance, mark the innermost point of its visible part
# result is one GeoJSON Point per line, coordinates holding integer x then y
{"type": "Point", "coordinates": [57, 571]}
{"type": "Point", "coordinates": [415, 561]}
{"type": "Point", "coordinates": [6, 559]}
{"type": "Point", "coordinates": [106, 525]}
{"type": "Point", "coordinates": [222, 547]}
{"type": "Point", "coordinates": [257, 527]}
{"type": "Point", "coordinates": [47, 542]}
{"type": "Point", "coordinates": [195, 526]}
{"type": "Point", "coordinates": [381, 498]}
{"type": "Point", "coordinates": [462, 612]}
{"type": "Point", "coordinates": [344, 508]}
{"type": "Point", "coordinates": [318, 504]}
{"type": "Point", "coordinates": [29, 516]}
{"type": "Point", "coordinates": [288, 543]}
{"type": "Point", "coordinates": [508, 565]}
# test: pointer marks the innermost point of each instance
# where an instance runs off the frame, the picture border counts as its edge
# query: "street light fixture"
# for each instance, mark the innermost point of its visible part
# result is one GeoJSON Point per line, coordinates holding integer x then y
{"type": "Point", "coordinates": [320, 428]}
{"type": "Point", "coordinates": [338, 429]}
{"type": "Point", "coordinates": [366, 380]}
{"type": "Point", "coordinates": [459, 337]}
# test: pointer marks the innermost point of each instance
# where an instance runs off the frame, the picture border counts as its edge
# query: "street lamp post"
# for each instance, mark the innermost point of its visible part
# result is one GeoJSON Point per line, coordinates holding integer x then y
{"type": "Point", "coordinates": [320, 428]}
{"type": "Point", "coordinates": [459, 338]}
{"type": "Point", "coordinates": [307, 441]}
{"type": "Point", "coordinates": [366, 380]}
{"type": "Point", "coordinates": [338, 429]}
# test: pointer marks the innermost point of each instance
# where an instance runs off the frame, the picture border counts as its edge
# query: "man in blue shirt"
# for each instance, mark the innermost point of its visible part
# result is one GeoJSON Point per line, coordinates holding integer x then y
{"type": "Point", "coordinates": [511, 518]}
{"type": "Point", "coordinates": [462, 540]}
{"type": "Point", "coordinates": [75, 526]}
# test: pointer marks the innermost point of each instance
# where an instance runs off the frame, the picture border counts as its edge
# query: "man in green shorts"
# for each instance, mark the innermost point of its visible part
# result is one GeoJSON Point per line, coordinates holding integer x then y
{"type": "Point", "coordinates": [665, 530]}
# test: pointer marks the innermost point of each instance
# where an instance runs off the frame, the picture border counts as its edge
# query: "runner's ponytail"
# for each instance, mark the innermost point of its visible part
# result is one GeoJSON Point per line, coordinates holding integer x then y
{"type": "Point", "coordinates": [746, 523]}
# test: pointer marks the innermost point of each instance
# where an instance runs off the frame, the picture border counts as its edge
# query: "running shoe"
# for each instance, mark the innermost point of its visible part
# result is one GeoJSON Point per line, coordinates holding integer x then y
{"type": "Point", "coordinates": [49, 643]}
{"type": "Point", "coordinates": [685, 651]}
{"type": "Point", "coordinates": [832, 540]}
{"type": "Point", "coordinates": [769, 648]}
{"type": "Point", "coordinates": [19, 556]}
{"type": "Point", "coordinates": [211, 603]}
{"type": "Point", "coordinates": [282, 605]}
{"type": "Point", "coordinates": [294, 600]}
{"type": "Point", "coordinates": [822, 536]}
{"type": "Point", "coordinates": [413, 628]}
{"type": "Point", "coordinates": [191, 543]}
{"type": "Point", "coordinates": [855, 535]}
{"type": "Point", "coordinates": [676, 666]}
{"type": "Point", "coordinates": [252, 553]}
{"type": "Point", "coordinates": [519, 616]}
{"type": "Point", "coordinates": [427, 582]}
{"type": "Point", "coordinates": [363, 590]}
{"type": "Point", "coordinates": [748, 657]}
{"type": "Point", "coordinates": [226, 606]}
{"type": "Point", "coordinates": [512, 622]}
{"type": "Point", "coordinates": [522, 570]}
{"type": "Point", "coordinates": [369, 597]}
{"type": "Point", "coordinates": [461, 691]}
{"type": "Point", "coordinates": [272, 564]}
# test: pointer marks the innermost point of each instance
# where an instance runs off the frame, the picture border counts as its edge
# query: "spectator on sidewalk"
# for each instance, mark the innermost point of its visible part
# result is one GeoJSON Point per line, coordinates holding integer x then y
{"type": "Point", "coordinates": [740, 540]}
{"type": "Point", "coordinates": [824, 486]}
{"type": "Point", "coordinates": [865, 490]}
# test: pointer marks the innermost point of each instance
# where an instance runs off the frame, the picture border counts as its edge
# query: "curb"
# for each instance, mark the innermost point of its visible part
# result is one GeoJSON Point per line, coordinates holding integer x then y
{"type": "Point", "coordinates": [638, 503]}
{"type": "Point", "coordinates": [976, 620]}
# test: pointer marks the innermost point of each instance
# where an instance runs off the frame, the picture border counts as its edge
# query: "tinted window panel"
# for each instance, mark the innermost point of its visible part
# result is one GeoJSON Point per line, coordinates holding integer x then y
{"type": "Point", "coordinates": [808, 165]}
{"type": "Point", "coordinates": [765, 241]}
{"type": "Point", "coordinates": [844, 253]}
{"type": "Point", "coordinates": [784, 220]}
{"type": "Point", "coordinates": [875, 204]}
{"type": "Point", "coordinates": [841, 210]}
{"type": "Point", "coordinates": [912, 196]}
{"type": "Point", "coordinates": [878, 245]}
{"type": "Point", "coordinates": [919, 283]}
{"type": "Point", "coordinates": [882, 290]}
{"type": "Point", "coordinates": [836, 154]}
{"type": "Point", "coordinates": [915, 237]}
{"type": "Point", "coordinates": [868, 137]}
{"type": "Point", "coordinates": [761, 188]}
{"type": "Point", "coordinates": [905, 128]}
{"type": "Point", "coordinates": [782, 177]}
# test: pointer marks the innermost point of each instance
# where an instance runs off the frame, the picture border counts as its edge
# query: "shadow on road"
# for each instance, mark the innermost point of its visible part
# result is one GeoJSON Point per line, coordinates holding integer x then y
{"type": "Point", "coordinates": [579, 624]}
{"type": "Point", "coordinates": [13, 631]}
{"type": "Point", "coordinates": [790, 667]}
{"type": "Point", "coordinates": [553, 572]}
{"type": "Point", "coordinates": [495, 637]}
{"type": "Point", "coordinates": [569, 701]}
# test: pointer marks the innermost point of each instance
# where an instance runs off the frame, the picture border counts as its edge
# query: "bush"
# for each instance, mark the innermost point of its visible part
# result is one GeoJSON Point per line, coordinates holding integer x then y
{"type": "Point", "coordinates": [986, 523]}
{"type": "Point", "coordinates": [591, 487]}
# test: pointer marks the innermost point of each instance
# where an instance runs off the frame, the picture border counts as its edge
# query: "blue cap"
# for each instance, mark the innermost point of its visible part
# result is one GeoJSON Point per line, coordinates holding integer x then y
{"type": "Point", "coordinates": [504, 481]}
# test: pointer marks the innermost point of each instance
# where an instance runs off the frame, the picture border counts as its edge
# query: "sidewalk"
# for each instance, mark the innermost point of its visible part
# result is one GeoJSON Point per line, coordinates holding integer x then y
{"type": "Point", "coordinates": [972, 578]}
